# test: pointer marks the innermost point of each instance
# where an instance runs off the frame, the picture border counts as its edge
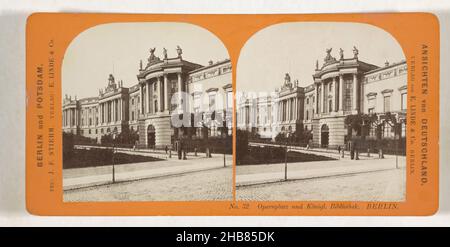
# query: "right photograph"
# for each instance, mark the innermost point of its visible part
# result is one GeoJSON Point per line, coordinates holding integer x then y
{"type": "Point", "coordinates": [321, 114]}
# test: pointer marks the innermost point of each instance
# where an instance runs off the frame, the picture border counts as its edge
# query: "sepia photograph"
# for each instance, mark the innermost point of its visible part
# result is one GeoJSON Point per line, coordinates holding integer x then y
{"type": "Point", "coordinates": [321, 114]}
{"type": "Point", "coordinates": [147, 114]}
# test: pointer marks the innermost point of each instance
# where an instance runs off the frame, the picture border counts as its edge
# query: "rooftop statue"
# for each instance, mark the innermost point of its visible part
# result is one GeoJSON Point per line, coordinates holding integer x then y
{"type": "Point", "coordinates": [152, 55]}
{"type": "Point", "coordinates": [355, 52]}
{"type": "Point", "coordinates": [152, 58]}
{"type": "Point", "coordinates": [317, 64]}
{"type": "Point", "coordinates": [110, 79]}
{"type": "Point", "coordinates": [341, 54]}
{"type": "Point", "coordinates": [287, 79]}
{"type": "Point", "coordinates": [179, 51]}
{"type": "Point", "coordinates": [329, 58]}
{"type": "Point", "coordinates": [165, 53]}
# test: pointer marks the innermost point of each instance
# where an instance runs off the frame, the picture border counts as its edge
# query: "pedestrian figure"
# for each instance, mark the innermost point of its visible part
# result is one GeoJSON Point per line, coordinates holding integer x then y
{"type": "Point", "coordinates": [166, 149]}
{"type": "Point", "coordinates": [339, 149]}
{"type": "Point", "coordinates": [179, 151]}
{"type": "Point", "coordinates": [352, 150]}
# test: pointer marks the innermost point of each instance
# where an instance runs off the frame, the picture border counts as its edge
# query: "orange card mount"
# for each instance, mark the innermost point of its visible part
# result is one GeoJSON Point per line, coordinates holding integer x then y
{"type": "Point", "coordinates": [328, 114]}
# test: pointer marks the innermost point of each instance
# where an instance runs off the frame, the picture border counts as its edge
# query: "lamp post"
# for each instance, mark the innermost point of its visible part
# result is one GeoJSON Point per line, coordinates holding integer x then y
{"type": "Point", "coordinates": [113, 161]}
{"type": "Point", "coordinates": [224, 137]}
{"type": "Point", "coordinates": [286, 155]}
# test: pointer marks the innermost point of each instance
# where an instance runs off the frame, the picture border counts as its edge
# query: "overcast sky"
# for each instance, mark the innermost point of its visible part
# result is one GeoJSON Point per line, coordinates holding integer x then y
{"type": "Point", "coordinates": [294, 48]}
{"type": "Point", "coordinates": [117, 48]}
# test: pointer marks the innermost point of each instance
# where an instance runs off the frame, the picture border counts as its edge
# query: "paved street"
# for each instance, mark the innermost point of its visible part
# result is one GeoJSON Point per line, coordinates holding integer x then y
{"type": "Point", "coordinates": [197, 178]}
{"type": "Point", "coordinates": [215, 184]}
{"type": "Point", "coordinates": [386, 185]}
{"type": "Point", "coordinates": [90, 176]}
{"type": "Point", "coordinates": [344, 179]}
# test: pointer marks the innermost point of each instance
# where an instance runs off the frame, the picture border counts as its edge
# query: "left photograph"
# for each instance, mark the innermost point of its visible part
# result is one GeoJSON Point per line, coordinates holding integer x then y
{"type": "Point", "coordinates": [147, 114]}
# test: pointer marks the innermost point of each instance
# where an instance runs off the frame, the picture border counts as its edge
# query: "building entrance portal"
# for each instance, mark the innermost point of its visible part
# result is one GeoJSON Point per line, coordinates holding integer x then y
{"type": "Point", "coordinates": [324, 140]}
{"type": "Point", "coordinates": [150, 136]}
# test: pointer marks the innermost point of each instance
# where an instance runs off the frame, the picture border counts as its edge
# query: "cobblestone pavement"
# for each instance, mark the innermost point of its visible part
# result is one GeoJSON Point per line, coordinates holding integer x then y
{"type": "Point", "coordinates": [213, 184]}
{"type": "Point", "coordinates": [255, 174]}
{"type": "Point", "coordinates": [90, 176]}
{"type": "Point", "coordinates": [388, 185]}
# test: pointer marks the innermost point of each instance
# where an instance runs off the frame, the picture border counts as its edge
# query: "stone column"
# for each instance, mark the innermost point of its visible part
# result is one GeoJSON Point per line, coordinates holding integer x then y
{"type": "Point", "coordinates": [335, 95]}
{"type": "Point", "coordinates": [116, 110]}
{"type": "Point", "coordinates": [281, 111]}
{"type": "Point", "coordinates": [141, 92]}
{"type": "Point", "coordinates": [291, 111]}
{"type": "Point", "coordinates": [179, 88]}
{"type": "Point", "coordinates": [278, 110]}
{"type": "Point", "coordinates": [316, 110]}
{"type": "Point", "coordinates": [113, 112]}
{"type": "Point", "coordinates": [288, 110]}
{"type": "Point", "coordinates": [114, 102]}
{"type": "Point", "coordinates": [323, 100]}
{"type": "Point", "coordinates": [295, 108]}
{"type": "Point", "coordinates": [148, 98]}
{"type": "Point", "coordinates": [162, 93]}
{"type": "Point", "coordinates": [166, 94]}
{"type": "Point", "coordinates": [120, 109]}
{"type": "Point", "coordinates": [108, 118]}
{"type": "Point", "coordinates": [111, 106]}
{"type": "Point", "coordinates": [76, 116]}
{"type": "Point", "coordinates": [341, 93]}
{"type": "Point", "coordinates": [355, 92]}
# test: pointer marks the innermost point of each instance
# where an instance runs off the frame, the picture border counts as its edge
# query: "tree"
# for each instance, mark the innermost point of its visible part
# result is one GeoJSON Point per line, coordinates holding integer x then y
{"type": "Point", "coordinates": [241, 144]}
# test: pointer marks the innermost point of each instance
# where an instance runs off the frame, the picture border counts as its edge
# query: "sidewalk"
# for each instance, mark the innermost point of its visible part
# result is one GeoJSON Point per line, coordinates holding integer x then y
{"type": "Point", "coordinates": [306, 170]}
{"type": "Point", "coordinates": [331, 153]}
{"type": "Point", "coordinates": [93, 176]}
{"type": "Point", "coordinates": [157, 153]}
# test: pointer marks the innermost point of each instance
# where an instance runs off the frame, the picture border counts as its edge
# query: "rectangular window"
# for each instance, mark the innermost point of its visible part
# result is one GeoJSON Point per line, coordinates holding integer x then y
{"type": "Point", "coordinates": [371, 102]}
{"type": "Point", "coordinates": [348, 95]}
{"type": "Point", "coordinates": [387, 103]}
{"type": "Point", "coordinates": [212, 102]}
{"type": "Point", "coordinates": [229, 100]}
{"type": "Point", "coordinates": [196, 103]}
{"type": "Point", "coordinates": [404, 101]}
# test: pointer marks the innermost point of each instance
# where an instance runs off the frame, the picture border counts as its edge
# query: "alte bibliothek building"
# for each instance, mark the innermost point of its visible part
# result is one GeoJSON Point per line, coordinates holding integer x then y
{"type": "Point", "coordinates": [341, 87]}
{"type": "Point", "coordinates": [147, 107]}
